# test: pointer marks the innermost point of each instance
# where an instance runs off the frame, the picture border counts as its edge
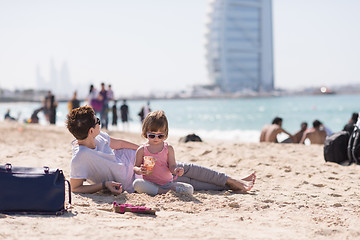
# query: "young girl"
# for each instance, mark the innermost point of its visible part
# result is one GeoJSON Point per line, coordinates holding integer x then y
{"type": "Point", "coordinates": [160, 179]}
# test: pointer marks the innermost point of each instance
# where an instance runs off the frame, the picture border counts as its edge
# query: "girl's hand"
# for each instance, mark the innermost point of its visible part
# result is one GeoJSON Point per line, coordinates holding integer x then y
{"type": "Point", "coordinates": [143, 170]}
{"type": "Point", "coordinates": [179, 171]}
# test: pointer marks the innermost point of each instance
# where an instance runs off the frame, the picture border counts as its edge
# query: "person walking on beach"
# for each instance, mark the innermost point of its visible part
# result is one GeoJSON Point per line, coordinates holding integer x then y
{"type": "Point", "coordinates": [145, 110]}
{"type": "Point", "coordinates": [124, 110]}
{"type": "Point", "coordinates": [53, 106]}
{"type": "Point", "coordinates": [114, 114]}
{"type": "Point", "coordinates": [49, 108]}
{"type": "Point", "coordinates": [316, 134]}
{"type": "Point", "coordinates": [104, 110]}
{"type": "Point", "coordinates": [269, 132]}
{"type": "Point", "coordinates": [160, 178]}
{"type": "Point", "coordinates": [110, 93]}
{"type": "Point", "coordinates": [46, 106]}
{"type": "Point", "coordinates": [107, 163]}
{"type": "Point", "coordinates": [74, 102]}
{"type": "Point", "coordinates": [94, 99]}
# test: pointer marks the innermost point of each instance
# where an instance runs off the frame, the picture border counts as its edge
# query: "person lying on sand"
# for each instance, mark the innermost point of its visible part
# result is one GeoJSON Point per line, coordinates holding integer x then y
{"type": "Point", "coordinates": [107, 163]}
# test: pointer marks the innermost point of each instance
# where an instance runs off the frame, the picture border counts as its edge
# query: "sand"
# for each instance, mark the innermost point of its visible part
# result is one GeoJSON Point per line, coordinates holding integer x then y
{"type": "Point", "coordinates": [296, 196]}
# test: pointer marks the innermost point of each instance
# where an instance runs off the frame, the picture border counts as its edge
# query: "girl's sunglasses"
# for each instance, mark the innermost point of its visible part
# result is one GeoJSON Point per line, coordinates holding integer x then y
{"type": "Point", "coordinates": [153, 135]}
{"type": "Point", "coordinates": [97, 121]}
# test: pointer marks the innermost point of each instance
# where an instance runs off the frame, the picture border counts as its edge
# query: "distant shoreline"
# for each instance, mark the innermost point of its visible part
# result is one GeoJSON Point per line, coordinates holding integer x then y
{"type": "Point", "coordinates": [143, 98]}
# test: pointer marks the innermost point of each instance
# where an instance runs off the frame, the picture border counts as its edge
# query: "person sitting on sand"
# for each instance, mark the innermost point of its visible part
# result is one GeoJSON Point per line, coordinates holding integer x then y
{"type": "Point", "coordinates": [34, 116]}
{"type": "Point", "coordinates": [298, 135]}
{"type": "Point", "coordinates": [269, 132]}
{"type": "Point", "coordinates": [7, 116]}
{"type": "Point", "coordinates": [107, 163]}
{"type": "Point", "coordinates": [160, 178]}
{"type": "Point", "coordinates": [349, 127]}
{"type": "Point", "coordinates": [316, 134]}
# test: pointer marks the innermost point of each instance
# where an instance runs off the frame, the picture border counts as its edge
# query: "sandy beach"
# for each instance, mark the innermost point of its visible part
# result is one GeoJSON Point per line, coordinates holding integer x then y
{"type": "Point", "coordinates": [296, 196]}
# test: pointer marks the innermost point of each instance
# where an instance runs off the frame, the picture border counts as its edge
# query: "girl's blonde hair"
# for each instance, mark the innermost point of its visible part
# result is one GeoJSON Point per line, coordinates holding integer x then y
{"type": "Point", "coordinates": [154, 122]}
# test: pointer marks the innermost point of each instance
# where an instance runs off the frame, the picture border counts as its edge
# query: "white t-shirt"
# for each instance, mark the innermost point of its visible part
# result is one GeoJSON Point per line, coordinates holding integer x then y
{"type": "Point", "coordinates": [104, 163]}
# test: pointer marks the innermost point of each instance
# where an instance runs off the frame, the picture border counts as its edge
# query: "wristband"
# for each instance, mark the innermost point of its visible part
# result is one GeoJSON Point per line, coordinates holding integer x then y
{"type": "Point", "coordinates": [103, 185]}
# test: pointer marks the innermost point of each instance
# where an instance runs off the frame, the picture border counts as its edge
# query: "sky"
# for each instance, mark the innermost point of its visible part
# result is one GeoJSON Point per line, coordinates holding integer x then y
{"type": "Point", "coordinates": [143, 46]}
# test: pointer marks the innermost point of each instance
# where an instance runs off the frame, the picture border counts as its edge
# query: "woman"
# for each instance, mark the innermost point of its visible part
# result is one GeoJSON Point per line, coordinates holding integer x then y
{"type": "Point", "coordinates": [107, 163]}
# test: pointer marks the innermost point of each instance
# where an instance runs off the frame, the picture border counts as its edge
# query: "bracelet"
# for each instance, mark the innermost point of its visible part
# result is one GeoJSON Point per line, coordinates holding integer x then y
{"type": "Point", "coordinates": [103, 185]}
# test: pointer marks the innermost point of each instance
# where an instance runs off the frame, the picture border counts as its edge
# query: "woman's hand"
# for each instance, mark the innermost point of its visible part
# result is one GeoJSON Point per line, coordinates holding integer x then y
{"type": "Point", "coordinates": [114, 187]}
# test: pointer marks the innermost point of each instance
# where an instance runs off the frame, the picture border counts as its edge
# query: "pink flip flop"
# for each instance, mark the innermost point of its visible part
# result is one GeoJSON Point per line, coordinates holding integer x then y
{"type": "Point", "coordinates": [134, 209]}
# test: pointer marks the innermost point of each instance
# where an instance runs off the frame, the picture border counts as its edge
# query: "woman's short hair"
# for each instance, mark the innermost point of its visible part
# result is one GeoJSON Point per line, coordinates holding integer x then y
{"type": "Point", "coordinates": [154, 122]}
{"type": "Point", "coordinates": [79, 121]}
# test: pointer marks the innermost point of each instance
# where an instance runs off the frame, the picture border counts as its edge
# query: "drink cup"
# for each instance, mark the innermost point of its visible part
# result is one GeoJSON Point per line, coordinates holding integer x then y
{"type": "Point", "coordinates": [149, 163]}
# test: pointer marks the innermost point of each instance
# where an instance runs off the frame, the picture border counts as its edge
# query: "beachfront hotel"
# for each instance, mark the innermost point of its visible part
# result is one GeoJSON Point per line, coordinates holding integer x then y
{"type": "Point", "coordinates": [239, 45]}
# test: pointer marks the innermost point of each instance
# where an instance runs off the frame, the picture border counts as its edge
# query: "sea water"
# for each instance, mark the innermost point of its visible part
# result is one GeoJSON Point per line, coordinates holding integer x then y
{"type": "Point", "coordinates": [238, 119]}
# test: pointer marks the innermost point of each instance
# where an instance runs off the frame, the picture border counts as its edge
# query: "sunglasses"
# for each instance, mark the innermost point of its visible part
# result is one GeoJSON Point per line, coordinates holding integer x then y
{"type": "Point", "coordinates": [153, 135]}
{"type": "Point", "coordinates": [97, 122]}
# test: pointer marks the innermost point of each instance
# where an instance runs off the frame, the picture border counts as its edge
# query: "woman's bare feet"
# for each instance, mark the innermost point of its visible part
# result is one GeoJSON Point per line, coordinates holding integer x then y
{"type": "Point", "coordinates": [243, 185]}
{"type": "Point", "coordinates": [251, 177]}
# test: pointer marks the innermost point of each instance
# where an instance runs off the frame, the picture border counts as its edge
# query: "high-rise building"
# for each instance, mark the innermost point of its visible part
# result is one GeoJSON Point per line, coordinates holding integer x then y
{"type": "Point", "coordinates": [239, 47]}
{"type": "Point", "coordinates": [59, 81]}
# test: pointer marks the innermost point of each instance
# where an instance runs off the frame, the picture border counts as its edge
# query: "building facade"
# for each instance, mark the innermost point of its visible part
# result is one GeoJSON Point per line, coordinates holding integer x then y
{"type": "Point", "coordinates": [239, 45]}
